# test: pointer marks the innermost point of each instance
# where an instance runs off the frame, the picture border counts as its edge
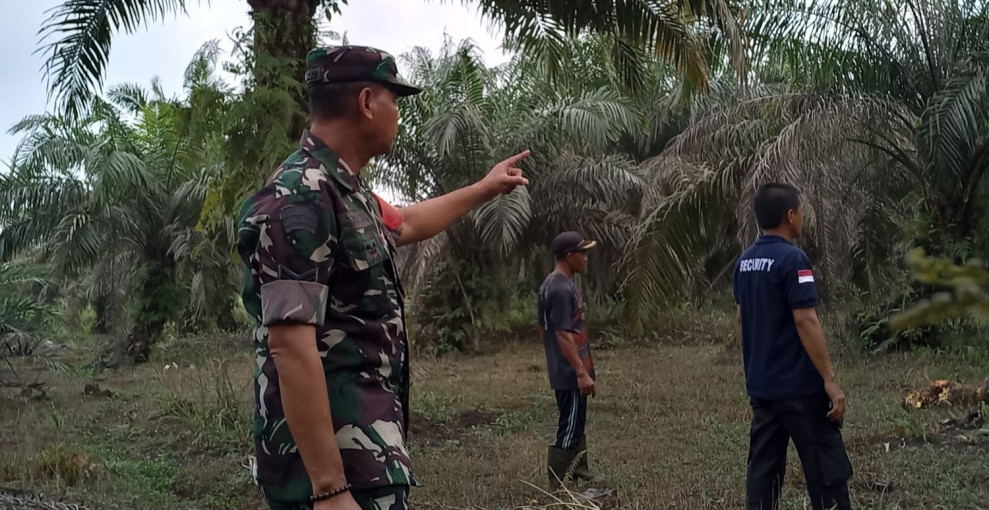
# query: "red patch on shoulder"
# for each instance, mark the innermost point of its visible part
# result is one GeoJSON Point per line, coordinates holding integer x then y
{"type": "Point", "coordinates": [393, 216]}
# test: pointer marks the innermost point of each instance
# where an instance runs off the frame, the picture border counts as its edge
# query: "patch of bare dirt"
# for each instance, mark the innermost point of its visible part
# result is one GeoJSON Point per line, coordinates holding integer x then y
{"type": "Point", "coordinates": [430, 433]}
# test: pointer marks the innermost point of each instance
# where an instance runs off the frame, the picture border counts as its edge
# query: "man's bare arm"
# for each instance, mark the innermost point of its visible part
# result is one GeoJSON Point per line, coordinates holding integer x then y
{"type": "Point", "coordinates": [306, 403]}
{"type": "Point", "coordinates": [430, 217]}
{"type": "Point", "coordinates": [812, 337]}
{"type": "Point", "coordinates": [569, 349]}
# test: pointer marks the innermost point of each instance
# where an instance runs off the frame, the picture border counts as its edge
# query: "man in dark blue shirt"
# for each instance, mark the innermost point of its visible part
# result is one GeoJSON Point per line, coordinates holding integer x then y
{"type": "Point", "coordinates": [788, 374]}
{"type": "Point", "coordinates": [560, 312]}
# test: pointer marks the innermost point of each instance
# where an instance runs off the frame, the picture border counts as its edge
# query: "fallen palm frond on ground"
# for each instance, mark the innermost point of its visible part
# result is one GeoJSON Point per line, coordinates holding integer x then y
{"type": "Point", "coordinates": [944, 392]}
{"type": "Point", "coordinates": [563, 499]}
{"type": "Point", "coordinates": [966, 429]}
{"type": "Point", "coordinates": [22, 499]}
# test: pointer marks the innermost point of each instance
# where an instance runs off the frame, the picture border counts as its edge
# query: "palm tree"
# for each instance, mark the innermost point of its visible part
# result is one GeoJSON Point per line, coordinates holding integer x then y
{"type": "Point", "coordinates": [111, 192]}
{"type": "Point", "coordinates": [22, 309]}
{"type": "Point", "coordinates": [470, 116]}
{"type": "Point", "coordinates": [927, 58]}
{"type": "Point", "coordinates": [79, 35]}
{"type": "Point", "coordinates": [690, 34]}
{"type": "Point", "coordinates": [697, 211]}
{"type": "Point", "coordinates": [273, 107]}
{"type": "Point", "coordinates": [23, 313]}
{"type": "Point", "coordinates": [879, 118]}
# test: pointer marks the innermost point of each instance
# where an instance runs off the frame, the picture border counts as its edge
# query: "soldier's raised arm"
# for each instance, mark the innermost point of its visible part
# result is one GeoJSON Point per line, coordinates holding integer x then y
{"type": "Point", "coordinates": [430, 217]}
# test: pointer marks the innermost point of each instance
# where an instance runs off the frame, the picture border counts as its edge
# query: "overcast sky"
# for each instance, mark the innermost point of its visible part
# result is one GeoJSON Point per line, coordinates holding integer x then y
{"type": "Point", "coordinates": [165, 48]}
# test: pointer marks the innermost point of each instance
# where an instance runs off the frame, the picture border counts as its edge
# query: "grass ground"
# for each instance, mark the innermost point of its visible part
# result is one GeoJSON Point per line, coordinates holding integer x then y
{"type": "Point", "coordinates": [668, 427]}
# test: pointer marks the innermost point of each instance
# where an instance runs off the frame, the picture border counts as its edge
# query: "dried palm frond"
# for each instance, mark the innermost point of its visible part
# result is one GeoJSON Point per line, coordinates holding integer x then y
{"type": "Point", "coordinates": [699, 200]}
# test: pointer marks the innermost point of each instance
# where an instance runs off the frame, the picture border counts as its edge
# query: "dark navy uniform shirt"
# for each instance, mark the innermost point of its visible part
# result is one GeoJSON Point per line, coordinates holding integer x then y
{"type": "Point", "coordinates": [772, 278]}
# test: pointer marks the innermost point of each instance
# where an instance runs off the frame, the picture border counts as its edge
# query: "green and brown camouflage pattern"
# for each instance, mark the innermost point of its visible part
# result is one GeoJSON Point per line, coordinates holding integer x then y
{"type": "Point", "coordinates": [392, 497]}
{"type": "Point", "coordinates": [317, 252]}
{"type": "Point", "coordinates": [350, 64]}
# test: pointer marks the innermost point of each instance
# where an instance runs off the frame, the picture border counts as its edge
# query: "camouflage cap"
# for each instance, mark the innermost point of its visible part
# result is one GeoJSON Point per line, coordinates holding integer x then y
{"type": "Point", "coordinates": [348, 64]}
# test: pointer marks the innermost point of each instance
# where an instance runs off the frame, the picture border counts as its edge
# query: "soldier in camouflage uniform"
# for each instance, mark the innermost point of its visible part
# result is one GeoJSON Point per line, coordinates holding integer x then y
{"type": "Point", "coordinates": [332, 380]}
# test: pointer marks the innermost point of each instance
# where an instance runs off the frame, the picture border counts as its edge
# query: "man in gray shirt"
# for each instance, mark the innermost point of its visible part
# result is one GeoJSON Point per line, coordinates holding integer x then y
{"type": "Point", "coordinates": [568, 358]}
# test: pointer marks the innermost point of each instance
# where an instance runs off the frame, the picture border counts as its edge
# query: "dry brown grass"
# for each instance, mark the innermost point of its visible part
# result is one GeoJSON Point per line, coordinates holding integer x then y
{"type": "Point", "coordinates": [668, 428]}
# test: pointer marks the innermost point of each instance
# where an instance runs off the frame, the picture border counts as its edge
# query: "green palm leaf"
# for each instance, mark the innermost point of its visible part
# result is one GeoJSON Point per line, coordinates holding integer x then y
{"type": "Point", "coordinates": [77, 39]}
{"type": "Point", "coordinates": [504, 221]}
{"type": "Point", "coordinates": [662, 27]}
{"type": "Point", "coordinates": [132, 98]}
{"type": "Point", "coordinates": [955, 121]}
{"type": "Point", "coordinates": [697, 209]}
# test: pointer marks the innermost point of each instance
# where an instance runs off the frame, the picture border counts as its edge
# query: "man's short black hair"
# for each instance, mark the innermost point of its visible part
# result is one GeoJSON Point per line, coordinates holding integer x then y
{"type": "Point", "coordinates": [333, 100]}
{"type": "Point", "coordinates": [772, 202]}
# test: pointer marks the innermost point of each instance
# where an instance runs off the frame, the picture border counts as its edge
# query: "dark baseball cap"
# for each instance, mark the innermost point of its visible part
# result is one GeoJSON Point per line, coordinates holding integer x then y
{"type": "Point", "coordinates": [569, 242]}
{"type": "Point", "coordinates": [350, 64]}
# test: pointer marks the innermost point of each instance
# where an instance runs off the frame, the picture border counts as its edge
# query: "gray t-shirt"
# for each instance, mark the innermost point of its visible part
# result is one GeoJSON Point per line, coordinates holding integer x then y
{"type": "Point", "coordinates": [560, 308]}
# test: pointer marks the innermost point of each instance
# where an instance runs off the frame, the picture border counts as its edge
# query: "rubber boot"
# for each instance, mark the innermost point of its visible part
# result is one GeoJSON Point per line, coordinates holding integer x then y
{"type": "Point", "coordinates": [581, 470]}
{"type": "Point", "coordinates": [558, 465]}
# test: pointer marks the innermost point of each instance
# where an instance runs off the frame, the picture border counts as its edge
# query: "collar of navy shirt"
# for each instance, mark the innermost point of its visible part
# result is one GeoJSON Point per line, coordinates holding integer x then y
{"type": "Point", "coordinates": [771, 238]}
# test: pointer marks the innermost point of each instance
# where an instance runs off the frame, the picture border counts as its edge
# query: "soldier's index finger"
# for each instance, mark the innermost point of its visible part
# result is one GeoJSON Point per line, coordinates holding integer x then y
{"type": "Point", "coordinates": [518, 157]}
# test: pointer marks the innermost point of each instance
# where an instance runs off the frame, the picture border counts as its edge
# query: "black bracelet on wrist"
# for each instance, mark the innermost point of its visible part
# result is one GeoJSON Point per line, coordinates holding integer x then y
{"type": "Point", "coordinates": [331, 494]}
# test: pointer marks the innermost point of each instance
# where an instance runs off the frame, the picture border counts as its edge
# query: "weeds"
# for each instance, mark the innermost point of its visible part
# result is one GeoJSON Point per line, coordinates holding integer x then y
{"type": "Point", "coordinates": [911, 426]}
{"type": "Point", "coordinates": [146, 480]}
{"type": "Point", "coordinates": [668, 424]}
{"type": "Point", "coordinates": [430, 407]}
{"type": "Point", "coordinates": [214, 408]}
{"type": "Point", "coordinates": [518, 422]}
{"type": "Point", "coordinates": [63, 465]}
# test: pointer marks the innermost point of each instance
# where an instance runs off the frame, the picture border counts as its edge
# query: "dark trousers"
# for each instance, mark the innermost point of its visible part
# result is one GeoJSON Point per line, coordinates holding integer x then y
{"type": "Point", "coordinates": [391, 497]}
{"type": "Point", "coordinates": [573, 417]}
{"type": "Point", "coordinates": [818, 441]}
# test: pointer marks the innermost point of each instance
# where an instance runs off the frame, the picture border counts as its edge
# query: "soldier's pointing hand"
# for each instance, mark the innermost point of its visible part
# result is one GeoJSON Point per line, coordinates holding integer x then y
{"type": "Point", "coordinates": [505, 176]}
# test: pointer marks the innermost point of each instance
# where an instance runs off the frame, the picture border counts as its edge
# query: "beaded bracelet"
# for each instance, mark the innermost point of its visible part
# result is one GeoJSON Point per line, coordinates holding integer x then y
{"type": "Point", "coordinates": [331, 494]}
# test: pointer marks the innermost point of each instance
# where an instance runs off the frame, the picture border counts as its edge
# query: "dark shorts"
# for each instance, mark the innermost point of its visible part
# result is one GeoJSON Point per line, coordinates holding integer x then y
{"type": "Point", "coordinates": [391, 497]}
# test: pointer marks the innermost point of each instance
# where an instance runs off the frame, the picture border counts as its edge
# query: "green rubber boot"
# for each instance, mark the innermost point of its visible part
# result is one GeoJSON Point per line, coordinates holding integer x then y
{"type": "Point", "coordinates": [581, 470]}
{"type": "Point", "coordinates": [558, 466]}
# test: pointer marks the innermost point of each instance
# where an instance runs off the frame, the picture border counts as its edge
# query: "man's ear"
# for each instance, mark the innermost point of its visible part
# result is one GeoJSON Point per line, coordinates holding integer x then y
{"type": "Point", "coordinates": [364, 99]}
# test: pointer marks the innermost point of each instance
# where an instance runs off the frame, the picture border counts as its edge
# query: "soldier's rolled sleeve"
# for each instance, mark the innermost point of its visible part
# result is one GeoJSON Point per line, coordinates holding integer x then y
{"type": "Point", "coordinates": [293, 301]}
{"type": "Point", "coordinates": [295, 264]}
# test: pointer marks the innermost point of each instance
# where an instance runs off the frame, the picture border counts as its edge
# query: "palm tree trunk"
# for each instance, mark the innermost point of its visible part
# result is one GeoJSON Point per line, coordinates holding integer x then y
{"type": "Point", "coordinates": [952, 223]}
{"type": "Point", "coordinates": [284, 30]}
{"type": "Point", "coordinates": [135, 347]}
{"type": "Point", "coordinates": [158, 304]}
{"type": "Point", "coordinates": [103, 306]}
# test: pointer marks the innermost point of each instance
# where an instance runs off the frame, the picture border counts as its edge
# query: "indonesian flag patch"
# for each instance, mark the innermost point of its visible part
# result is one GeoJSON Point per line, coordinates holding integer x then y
{"type": "Point", "coordinates": [805, 276]}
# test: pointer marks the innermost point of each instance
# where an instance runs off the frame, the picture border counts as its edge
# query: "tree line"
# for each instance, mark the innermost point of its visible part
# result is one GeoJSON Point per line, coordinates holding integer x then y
{"type": "Point", "coordinates": [650, 124]}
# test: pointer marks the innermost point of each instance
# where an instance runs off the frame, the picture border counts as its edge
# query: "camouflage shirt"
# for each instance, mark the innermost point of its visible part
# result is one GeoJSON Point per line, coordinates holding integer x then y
{"type": "Point", "coordinates": [319, 249]}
